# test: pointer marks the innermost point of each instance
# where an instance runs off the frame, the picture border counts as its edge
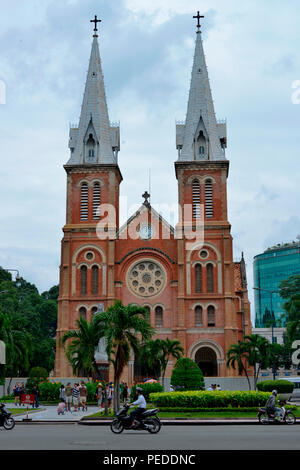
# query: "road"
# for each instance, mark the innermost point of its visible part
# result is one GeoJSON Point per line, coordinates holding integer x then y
{"type": "Point", "coordinates": [219, 437]}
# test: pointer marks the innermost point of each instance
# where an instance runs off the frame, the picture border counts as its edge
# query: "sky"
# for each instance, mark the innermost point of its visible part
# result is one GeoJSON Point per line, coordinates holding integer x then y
{"type": "Point", "coordinates": [147, 47]}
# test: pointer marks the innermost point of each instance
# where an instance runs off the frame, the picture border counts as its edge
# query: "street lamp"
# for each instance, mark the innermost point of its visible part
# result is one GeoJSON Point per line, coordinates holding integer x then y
{"type": "Point", "coordinates": [18, 278]}
{"type": "Point", "coordinates": [271, 292]}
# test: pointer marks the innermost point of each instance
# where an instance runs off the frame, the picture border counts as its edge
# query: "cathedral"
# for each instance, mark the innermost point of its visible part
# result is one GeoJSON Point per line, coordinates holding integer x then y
{"type": "Point", "coordinates": [185, 276]}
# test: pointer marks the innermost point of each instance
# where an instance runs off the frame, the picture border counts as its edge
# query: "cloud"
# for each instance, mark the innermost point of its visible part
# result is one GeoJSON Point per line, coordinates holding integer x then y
{"type": "Point", "coordinates": [147, 52]}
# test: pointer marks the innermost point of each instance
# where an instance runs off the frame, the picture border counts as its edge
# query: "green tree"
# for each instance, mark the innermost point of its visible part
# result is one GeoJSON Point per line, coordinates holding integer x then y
{"type": "Point", "coordinates": [80, 346]}
{"type": "Point", "coordinates": [171, 347]}
{"type": "Point", "coordinates": [187, 375]}
{"type": "Point", "coordinates": [259, 353]}
{"type": "Point", "coordinates": [124, 327]}
{"type": "Point", "coordinates": [150, 357]}
{"type": "Point", "coordinates": [18, 343]}
{"type": "Point", "coordinates": [289, 290]}
{"type": "Point", "coordinates": [237, 356]}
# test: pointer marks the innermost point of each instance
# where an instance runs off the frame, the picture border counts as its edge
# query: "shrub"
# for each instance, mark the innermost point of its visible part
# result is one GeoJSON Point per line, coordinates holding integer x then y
{"type": "Point", "coordinates": [187, 375]}
{"type": "Point", "coordinates": [36, 376]}
{"type": "Point", "coordinates": [282, 386]}
{"type": "Point", "coordinates": [147, 389]}
{"type": "Point", "coordinates": [207, 399]}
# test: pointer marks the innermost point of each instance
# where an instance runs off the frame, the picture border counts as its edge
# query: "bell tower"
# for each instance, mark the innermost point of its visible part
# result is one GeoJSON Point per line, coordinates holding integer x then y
{"type": "Point", "coordinates": [93, 179]}
{"type": "Point", "coordinates": [206, 287]}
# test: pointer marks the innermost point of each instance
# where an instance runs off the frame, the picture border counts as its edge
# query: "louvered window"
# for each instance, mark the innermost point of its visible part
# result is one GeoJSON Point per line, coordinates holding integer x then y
{"type": "Point", "coordinates": [210, 278]}
{"type": "Point", "coordinates": [96, 199]}
{"type": "Point", "coordinates": [95, 279]}
{"type": "Point", "coordinates": [158, 316]}
{"type": "Point", "coordinates": [84, 202]}
{"type": "Point", "coordinates": [211, 316]}
{"type": "Point", "coordinates": [196, 199]}
{"type": "Point", "coordinates": [83, 280]}
{"type": "Point", "coordinates": [209, 209]}
{"type": "Point", "coordinates": [198, 278]}
{"type": "Point", "coordinates": [198, 316]}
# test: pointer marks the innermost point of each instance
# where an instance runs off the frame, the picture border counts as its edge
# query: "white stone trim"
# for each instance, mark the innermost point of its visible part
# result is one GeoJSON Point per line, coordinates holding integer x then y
{"type": "Point", "coordinates": [207, 343]}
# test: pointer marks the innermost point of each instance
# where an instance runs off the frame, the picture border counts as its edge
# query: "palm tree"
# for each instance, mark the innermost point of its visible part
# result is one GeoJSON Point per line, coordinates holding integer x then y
{"type": "Point", "coordinates": [171, 347]}
{"type": "Point", "coordinates": [151, 357]}
{"type": "Point", "coordinates": [82, 343]}
{"type": "Point", "coordinates": [259, 351]}
{"type": "Point", "coordinates": [237, 355]}
{"type": "Point", "coordinates": [123, 327]}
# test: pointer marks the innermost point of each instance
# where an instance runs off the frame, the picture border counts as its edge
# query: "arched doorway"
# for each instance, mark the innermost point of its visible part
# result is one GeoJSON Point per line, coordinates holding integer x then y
{"type": "Point", "coordinates": [207, 361]}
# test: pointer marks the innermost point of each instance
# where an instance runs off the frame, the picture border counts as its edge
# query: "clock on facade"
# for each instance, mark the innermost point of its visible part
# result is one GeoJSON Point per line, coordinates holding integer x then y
{"type": "Point", "coordinates": [146, 231]}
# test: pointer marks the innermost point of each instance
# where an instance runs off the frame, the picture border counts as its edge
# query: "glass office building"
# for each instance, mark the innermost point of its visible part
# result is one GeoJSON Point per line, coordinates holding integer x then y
{"type": "Point", "coordinates": [270, 268]}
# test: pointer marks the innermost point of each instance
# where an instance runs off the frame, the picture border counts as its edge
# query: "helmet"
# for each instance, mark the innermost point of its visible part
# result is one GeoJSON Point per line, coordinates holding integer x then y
{"type": "Point", "coordinates": [274, 392]}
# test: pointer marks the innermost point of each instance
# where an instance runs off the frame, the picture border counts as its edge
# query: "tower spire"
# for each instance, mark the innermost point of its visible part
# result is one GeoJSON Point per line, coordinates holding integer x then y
{"type": "Point", "coordinates": [94, 141]}
{"type": "Point", "coordinates": [201, 137]}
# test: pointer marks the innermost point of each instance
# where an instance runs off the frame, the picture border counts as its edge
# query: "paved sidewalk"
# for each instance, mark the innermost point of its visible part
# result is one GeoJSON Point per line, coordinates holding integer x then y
{"type": "Point", "coordinates": [49, 413]}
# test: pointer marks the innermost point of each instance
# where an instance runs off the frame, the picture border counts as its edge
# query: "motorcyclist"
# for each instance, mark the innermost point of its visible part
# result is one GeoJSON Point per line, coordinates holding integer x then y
{"type": "Point", "coordinates": [270, 405]}
{"type": "Point", "coordinates": [141, 403]}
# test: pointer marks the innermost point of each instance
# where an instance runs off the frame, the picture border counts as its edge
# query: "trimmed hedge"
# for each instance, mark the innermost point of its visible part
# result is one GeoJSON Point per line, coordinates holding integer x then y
{"type": "Point", "coordinates": [147, 389]}
{"type": "Point", "coordinates": [282, 386]}
{"type": "Point", "coordinates": [208, 399]}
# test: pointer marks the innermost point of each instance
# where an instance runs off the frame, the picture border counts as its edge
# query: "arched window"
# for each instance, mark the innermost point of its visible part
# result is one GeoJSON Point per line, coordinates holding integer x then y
{"type": "Point", "coordinates": [84, 202]}
{"type": "Point", "coordinates": [95, 279]}
{"type": "Point", "coordinates": [96, 199]}
{"type": "Point", "coordinates": [82, 312]}
{"type": "Point", "coordinates": [196, 199]}
{"type": "Point", "coordinates": [158, 316]}
{"type": "Point", "coordinates": [147, 308]}
{"type": "Point", "coordinates": [210, 316]}
{"type": "Point", "coordinates": [198, 278]}
{"type": "Point", "coordinates": [209, 208]}
{"type": "Point", "coordinates": [198, 315]}
{"type": "Point", "coordinates": [83, 280]}
{"type": "Point", "coordinates": [209, 278]}
{"type": "Point", "coordinates": [90, 147]}
{"type": "Point", "coordinates": [94, 310]}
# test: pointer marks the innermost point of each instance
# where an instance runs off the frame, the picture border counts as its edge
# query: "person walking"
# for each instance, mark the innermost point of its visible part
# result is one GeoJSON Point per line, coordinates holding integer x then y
{"type": "Point", "coordinates": [99, 394]}
{"type": "Point", "coordinates": [68, 396]}
{"type": "Point", "coordinates": [125, 392]}
{"type": "Point", "coordinates": [16, 393]}
{"type": "Point", "coordinates": [110, 394]}
{"type": "Point", "coordinates": [36, 393]}
{"type": "Point", "coordinates": [75, 391]}
{"type": "Point", "coordinates": [62, 392]}
{"type": "Point", "coordinates": [83, 395]}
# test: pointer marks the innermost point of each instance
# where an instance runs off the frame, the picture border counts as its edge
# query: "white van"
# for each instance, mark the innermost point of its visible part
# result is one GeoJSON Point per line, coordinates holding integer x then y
{"type": "Point", "coordinates": [296, 382]}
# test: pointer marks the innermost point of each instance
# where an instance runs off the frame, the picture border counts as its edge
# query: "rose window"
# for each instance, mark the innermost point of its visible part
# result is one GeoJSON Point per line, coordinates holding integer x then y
{"type": "Point", "coordinates": [146, 278]}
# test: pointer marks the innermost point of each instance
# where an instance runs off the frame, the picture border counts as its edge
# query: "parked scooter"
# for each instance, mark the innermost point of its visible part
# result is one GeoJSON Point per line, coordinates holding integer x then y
{"type": "Point", "coordinates": [6, 419]}
{"type": "Point", "coordinates": [146, 422]}
{"type": "Point", "coordinates": [287, 417]}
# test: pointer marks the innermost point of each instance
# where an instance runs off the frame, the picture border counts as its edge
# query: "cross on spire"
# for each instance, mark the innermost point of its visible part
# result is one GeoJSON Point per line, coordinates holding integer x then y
{"type": "Point", "coordinates": [198, 16]}
{"type": "Point", "coordinates": [95, 20]}
{"type": "Point", "coordinates": [146, 196]}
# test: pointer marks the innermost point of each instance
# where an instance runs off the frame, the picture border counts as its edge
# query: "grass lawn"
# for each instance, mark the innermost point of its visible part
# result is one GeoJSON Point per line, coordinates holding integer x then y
{"type": "Point", "coordinates": [23, 410]}
{"type": "Point", "coordinates": [202, 414]}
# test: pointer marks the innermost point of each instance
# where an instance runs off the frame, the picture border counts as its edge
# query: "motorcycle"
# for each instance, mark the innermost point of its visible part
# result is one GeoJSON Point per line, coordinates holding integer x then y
{"type": "Point", "coordinates": [123, 421]}
{"type": "Point", "coordinates": [6, 419]}
{"type": "Point", "coordinates": [287, 417]}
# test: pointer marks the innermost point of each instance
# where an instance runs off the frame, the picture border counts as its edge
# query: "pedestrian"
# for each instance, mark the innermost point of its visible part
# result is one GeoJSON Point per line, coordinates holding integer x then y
{"type": "Point", "coordinates": [35, 392]}
{"type": "Point", "coordinates": [99, 394]}
{"type": "Point", "coordinates": [62, 392]}
{"type": "Point", "coordinates": [22, 392]}
{"type": "Point", "coordinates": [68, 396]}
{"type": "Point", "coordinates": [171, 389]}
{"type": "Point", "coordinates": [61, 407]}
{"type": "Point", "coordinates": [83, 395]}
{"type": "Point", "coordinates": [110, 394]}
{"type": "Point", "coordinates": [125, 392]}
{"type": "Point", "coordinates": [16, 393]}
{"type": "Point", "coordinates": [219, 388]}
{"type": "Point", "coordinates": [75, 391]}
{"type": "Point", "coordinates": [209, 388]}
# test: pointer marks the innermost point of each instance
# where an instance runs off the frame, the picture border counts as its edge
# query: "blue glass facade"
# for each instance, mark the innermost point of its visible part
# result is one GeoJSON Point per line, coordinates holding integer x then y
{"type": "Point", "coordinates": [270, 268]}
